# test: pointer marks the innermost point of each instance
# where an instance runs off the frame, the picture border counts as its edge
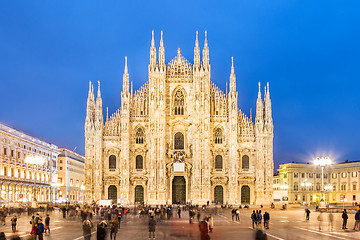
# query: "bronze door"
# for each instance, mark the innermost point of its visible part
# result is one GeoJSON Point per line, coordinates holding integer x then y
{"type": "Point", "coordinates": [178, 190]}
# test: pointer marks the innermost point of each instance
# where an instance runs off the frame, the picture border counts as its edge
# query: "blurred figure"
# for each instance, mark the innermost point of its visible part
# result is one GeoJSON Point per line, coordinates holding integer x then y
{"type": "Point", "coordinates": [13, 223]}
{"type": "Point", "coordinates": [15, 236]}
{"type": "Point", "coordinates": [113, 229]}
{"type": "Point", "coordinates": [266, 220]}
{"type": "Point", "coordinates": [307, 213]}
{"type": "Point", "coordinates": [40, 230]}
{"type": "Point", "coordinates": [101, 230]}
{"type": "Point", "coordinates": [2, 236]}
{"type": "Point", "coordinates": [211, 223]}
{"type": "Point", "coordinates": [152, 224]}
{"type": "Point", "coordinates": [331, 220]}
{"type": "Point", "coordinates": [47, 223]}
{"type": "Point", "coordinates": [320, 219]}
{"type": "Point", "coordinates": [260, 234]}
{"type": "Point", "coordinates": [203, 227]}
{"type": "Point", "coordinates": [87, 226]}
{"type": "Point", "coordinates": [253, 218]}
{"type": "Point", "coordinates": [357, 220]}
{"type": "Point", "coordinates": [345, 218]}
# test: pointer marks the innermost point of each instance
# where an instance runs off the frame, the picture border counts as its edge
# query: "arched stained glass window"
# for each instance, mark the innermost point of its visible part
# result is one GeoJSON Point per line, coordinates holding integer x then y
{"type": "Point", "coordinates": [112, 162]}
{"type": "Point", "coordinates": [218, 162]}
{"type": "Point", "coordinates": [140, 136]}
{"type": "Point", "coordinates": [218, 136]}
{"type": "Point", "coordinates": [179, 141]}
{"type": "Point", "coordinates": [179, 102]}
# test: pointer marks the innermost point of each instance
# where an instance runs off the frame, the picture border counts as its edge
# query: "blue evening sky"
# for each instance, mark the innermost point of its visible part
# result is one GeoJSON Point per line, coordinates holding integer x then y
{"type": "Point", "coordinates": [308, 51]}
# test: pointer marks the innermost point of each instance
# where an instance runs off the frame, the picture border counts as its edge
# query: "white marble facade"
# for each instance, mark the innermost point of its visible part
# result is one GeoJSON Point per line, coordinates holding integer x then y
{"type": "Point", "coordinates": [179, 138]}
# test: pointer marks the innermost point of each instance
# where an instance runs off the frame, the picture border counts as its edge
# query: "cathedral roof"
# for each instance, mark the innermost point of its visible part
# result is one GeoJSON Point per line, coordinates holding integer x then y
{"type": "Point", "coordinates": [179, 66]}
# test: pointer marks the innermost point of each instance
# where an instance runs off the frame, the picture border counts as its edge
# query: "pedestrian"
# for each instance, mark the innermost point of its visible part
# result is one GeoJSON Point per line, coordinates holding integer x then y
{"type": "Point", "coordinates": [253, 219]}
{"type": "Point", "coordinates": [13, 223]}
{"type": "Point", "coordinates": [237, 214]}
{"type": "Point", "coordinates": [345, 218]}
{"type": "Point", "coordinates": [203, 227]}
{"type": "Point", "coordinates": [190, 216]}
{"type": "Point", "coordinates": [307, 213]}
{"type": "Point", "coordinates": [2, 236]}
{"type": "Point", "coordinates": [260, 234]}
{"type": "Point", "coordinates": [113, 229]}
{"type": "Point", "coordinates": [119, 217]}
{"type": "Point", "coordinates": [259, 217]}
{"type": "Point", "coordinates": [320, 219]}
{"type": "Point", "coordinates": [232, 214]}
{"type": "Point", "coordinates": [47, 223]}
{"type": "Point", "coordinates": [331, 220]}
{"type": "Point", "coordinates": [152, 224]}
{"type": "Point", "coordinates": [357, 220]}
{"type": "Point", "coordinates": [211, 223]}
{"type": "Point", "coordinates": [87, 226]}
{"type": "Point", "coordinates": [266, 220]}
{"type": "Point", "coordinates": [3, 218]}
{"type": "Point", "coordinates": [40, 230]}
{"type": "Point", "coordinates": [198, 215]}
{"type": "Point", "coordinates": [179, 212]}
{"type": "Point", "coordinates": [33, 228]}
{"type": "Point", "coordinates": [101, 230]}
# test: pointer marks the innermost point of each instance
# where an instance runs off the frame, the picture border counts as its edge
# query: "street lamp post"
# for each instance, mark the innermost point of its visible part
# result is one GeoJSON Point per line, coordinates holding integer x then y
{"type": "Point", "coordinates": [322, 162]}
{"type": "Point", "coordinates": [35, 161]}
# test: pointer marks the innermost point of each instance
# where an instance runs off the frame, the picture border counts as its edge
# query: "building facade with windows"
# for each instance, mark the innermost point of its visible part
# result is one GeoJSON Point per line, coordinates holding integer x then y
{"type": "Point", "coordinates": [179, 138]}
{"type": "Point", "coordinates": [71, 174]}
{"type": "Point", "coordinates": [17, 177]}
{"type": "Point", "coordinates": [303, 182]}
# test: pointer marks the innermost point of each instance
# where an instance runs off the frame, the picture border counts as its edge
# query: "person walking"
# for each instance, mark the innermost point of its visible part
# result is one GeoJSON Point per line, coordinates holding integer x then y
{"type": "Point", "coordinates": [357, 220]}
{"type": "Point", "coordinates": [40, 230]}
{"type": "Point", "coordinates": [87, 227]}
{"type": "Point", "coordinates": [13, 223]}
{"type": "Point", "coordinates": [259, 217]}
{"type": "Point", "coordinates": [237, 214]}
{"type": "Point", "coordinates": [266, 220]}
{"type": "Point", "coordinates": [152, 224]}
{"type": "Point", "coordinates": [232, 214]}
{"type": "Point", "coordinates": [113, 229]}
{"type": "Point", "coordinates": [203, 227]}
{"type": "Point", "coordinates": [345, 218]}
{"type": "Point", "coordinates": [47, 223]}
{"type": "Point", "coordinates": [307, 213]}
{"type": "Point", "coordinates": [179, 212]}
{"type": "Point", "coordinates": [320, 219]}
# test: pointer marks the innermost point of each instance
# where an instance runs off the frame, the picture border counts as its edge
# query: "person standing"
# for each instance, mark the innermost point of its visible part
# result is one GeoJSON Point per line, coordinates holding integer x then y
{"type": "Point", "coordinates": [259, 217]}
{"type": "Point", "coordinates": [320, 219]}
{"type": "Point", "coordinates": [331, 220]}
{"type": "Point", "coordinates": [87, 226]}
{"type": "Point", "coordinates": [47, 223]}
{"type": "Point", "coordinates": [40, 230]}
{"type": "Point", "coordinates": [101, 230]}
{"type": "Point", "coordinates": [253, 218]}
{"type": "Point", "coordinates": [152, 224]}
{"type": "Point", "coordinates": [357, 220]}
{"type": "Point", "coordinates": [266, 220]}
{"type": "Point", "coordinates": [13, 223]}
{"type": "Point", "coordinates": [237, 214]}
{"type": "Point", "coordinates": [307, 212]}
{"type": "Point", "coordinates": [113, 229]}
{"type": "Point", "coordinates": [345, 218]}
{"type": "Point", "coordinates": [211, 223]}
{"type": "Point", "coordinates": [233, 214]}
{"type": "Point", "coordinates": [179, 212]}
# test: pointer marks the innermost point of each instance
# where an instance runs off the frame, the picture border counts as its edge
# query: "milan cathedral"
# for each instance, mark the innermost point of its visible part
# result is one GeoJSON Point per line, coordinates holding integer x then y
{"type": "Point", "coordinates": [179, 138]}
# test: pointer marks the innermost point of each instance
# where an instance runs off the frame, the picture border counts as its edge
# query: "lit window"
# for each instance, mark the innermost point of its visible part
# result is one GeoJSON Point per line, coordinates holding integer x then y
{"type": "Point", "coordinates": [354, 174]}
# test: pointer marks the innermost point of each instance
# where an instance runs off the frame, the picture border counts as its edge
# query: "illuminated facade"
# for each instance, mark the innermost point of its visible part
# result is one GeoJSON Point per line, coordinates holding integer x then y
{"type": "Point", "coordinates": [179, 138]}
{"type": "Point", "coordinates": [303, 182]}
{"type": "Point", "coordinates": [16, 176]}
{"type": "Point", "coordinates": [71, 176]}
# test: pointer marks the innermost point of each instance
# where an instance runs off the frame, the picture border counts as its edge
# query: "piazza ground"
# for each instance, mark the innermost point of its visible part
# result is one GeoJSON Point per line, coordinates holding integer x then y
{"type": "Point", "coordinates": [288, 224]}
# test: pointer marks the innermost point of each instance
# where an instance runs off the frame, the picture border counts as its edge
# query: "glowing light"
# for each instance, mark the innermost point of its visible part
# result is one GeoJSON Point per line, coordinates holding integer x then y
{"type": "Point", "coordinates": [322, 161]}
{"type": "Point", "coordinates": [36, 160]}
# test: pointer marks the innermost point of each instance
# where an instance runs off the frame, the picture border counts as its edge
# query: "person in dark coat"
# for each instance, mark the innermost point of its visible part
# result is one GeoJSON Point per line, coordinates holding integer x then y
{"type": "Point", "coordinates": [87, 226]}
{"type": "Point", "coordinates": [101, 230]}
{"type": "Point", "coordinates": [307, 212]}
{"type": "Point", "coordinates": [40, 230]}
{"type": "Point", "coordinates": [266, 220]}
{"type": "Point", "coordinates": [260, 234]}
{"type": "Point", "coordinates": [345, 218]}
{"type": "Point", "coordinates": [152, 224]}
{"type": "Point", "coordinates": [203, 227]}
{"type": "Point", "coordinates": [113, 229]}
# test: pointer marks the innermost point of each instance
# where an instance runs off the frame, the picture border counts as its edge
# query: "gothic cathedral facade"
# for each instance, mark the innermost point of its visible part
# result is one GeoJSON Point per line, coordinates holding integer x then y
{"type": "Point", "coordinates": [179, 138]}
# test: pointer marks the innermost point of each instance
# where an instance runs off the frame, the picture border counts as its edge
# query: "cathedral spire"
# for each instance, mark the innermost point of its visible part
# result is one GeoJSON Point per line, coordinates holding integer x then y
{"type": "Point", "coordinates": [126, 77]}
{"type": "Point", "coordinates": [259, 108]}
{"type": "Point", "coordinates": [98, 92]}
{"type": "Point", "coordinates": [267, 103]}
{"type": "Point", "coordinates": [232, 77]}
{"type": "Point", "coordinates": [197, 52]}
{"type": "Point", "coordinates": [90, 110]}
{"type": "Point", "coordinates": [98, 106]}
{"type": "Point", "coordinates": [206, 52]}
{"type": "Point", "coordinates": [162, 53]}
{"type": "Point", "coordinates": [152, 52]}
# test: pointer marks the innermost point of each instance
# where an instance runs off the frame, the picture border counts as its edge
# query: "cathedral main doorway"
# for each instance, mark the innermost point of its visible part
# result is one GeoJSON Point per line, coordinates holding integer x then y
{"type": "Point", "coordinates": [219, 194]}
{"type": "Point", "coordinates": [139, 194]}
{"type": "Point", "coordinates": [178, 190]}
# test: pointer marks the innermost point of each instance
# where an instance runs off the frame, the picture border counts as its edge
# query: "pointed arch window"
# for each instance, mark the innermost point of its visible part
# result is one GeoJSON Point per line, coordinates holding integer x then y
{"type": "Point", "coordinates": [139, 136]}
{"type": "Point", "coordinates": [179, 102]}
{"type": "Point", "coordinates": [218, 162]}
{"type": "Point", "coordinates": [219, 137]}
